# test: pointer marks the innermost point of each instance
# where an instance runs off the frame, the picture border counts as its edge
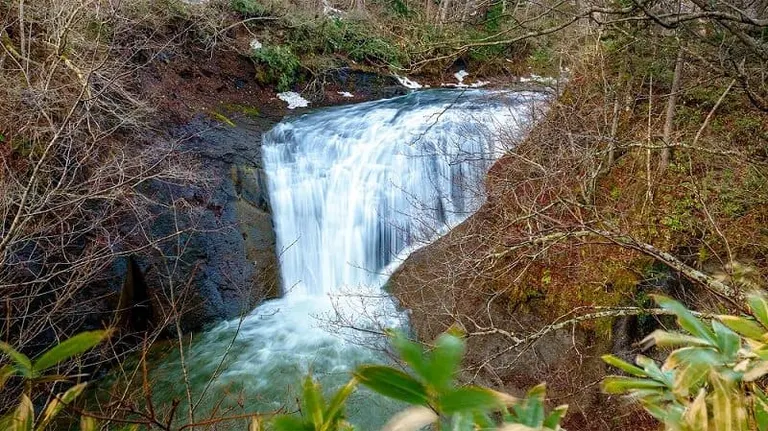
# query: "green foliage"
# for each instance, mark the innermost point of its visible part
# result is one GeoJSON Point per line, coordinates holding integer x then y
{"type": "Point", "coordinates": [710, 381]}
{"type": "Point", "coordinates": [22, 418]}
{"type": "Point", "coordinates": [317, 413]}
{"type": "Point", "coordinates": [66, 350]}
{"type": "Point", "coordinates": [347, 37]}
{"type": "Point", "coordinates": [494, 16]}
{"type": "Point", "coordinates": [541, 58]}
{"type": "Point", "coordinates": [436, 396]}
{"type": "Point", "coordinates": [282, 65]}
{"type": "Point", "coordinates": [400, 8]}
{"type": "Point", "coordinates": [251, 8]}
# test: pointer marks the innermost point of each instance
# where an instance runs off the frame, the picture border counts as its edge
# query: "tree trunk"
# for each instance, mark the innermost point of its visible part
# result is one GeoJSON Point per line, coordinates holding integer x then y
{"type": "Point", "coordinates": [444, 6]}
{"type": "Point", "coordinates": [670, 116]}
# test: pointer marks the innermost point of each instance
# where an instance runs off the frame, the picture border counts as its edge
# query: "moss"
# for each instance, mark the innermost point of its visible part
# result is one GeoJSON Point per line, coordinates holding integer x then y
{"type": "Point", "coordinates": [248, 111]}
{"type": "Point", "coordinates": [222, 118]}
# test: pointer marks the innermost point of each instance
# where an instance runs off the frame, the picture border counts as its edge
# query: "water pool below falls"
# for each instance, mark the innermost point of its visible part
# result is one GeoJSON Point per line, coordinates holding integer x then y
{"type": "Point", "coordinates": [352, 190]}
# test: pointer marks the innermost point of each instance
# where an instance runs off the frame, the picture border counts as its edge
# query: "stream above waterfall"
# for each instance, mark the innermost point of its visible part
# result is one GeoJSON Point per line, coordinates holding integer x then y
{"type": "Point", "coordinates": [352, 190]}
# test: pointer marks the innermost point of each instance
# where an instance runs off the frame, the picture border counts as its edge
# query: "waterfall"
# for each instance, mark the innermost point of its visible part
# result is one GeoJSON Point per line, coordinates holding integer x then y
{"type": "Point", "coordinates": [352, 187]}
{"type": "Point", "coordinates": [352, 190]}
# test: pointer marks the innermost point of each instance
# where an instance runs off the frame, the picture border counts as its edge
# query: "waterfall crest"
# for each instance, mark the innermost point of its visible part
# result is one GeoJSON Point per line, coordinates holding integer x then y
{"type": "Point", "coordinates": [352, 187]}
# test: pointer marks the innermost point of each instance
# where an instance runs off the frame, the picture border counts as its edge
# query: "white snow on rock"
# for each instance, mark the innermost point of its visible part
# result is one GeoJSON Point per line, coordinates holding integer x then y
{"type": "Point", "coordinates": [345, 94]}
{"type": "Point", "coordinates": [545, 80]}
{"type": "Point", "coordinates": [405, 82]}
{"type": "Point", "coordinates": [255, 45]}
{"type": "Point", "coordinates": [460, 75]}
{"type": "Point", "coordinates": [293, 99]}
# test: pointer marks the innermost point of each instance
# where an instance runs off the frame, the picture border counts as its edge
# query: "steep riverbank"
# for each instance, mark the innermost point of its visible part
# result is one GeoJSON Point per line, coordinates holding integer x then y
{"type": "Point", "coordinates": [581, 227]}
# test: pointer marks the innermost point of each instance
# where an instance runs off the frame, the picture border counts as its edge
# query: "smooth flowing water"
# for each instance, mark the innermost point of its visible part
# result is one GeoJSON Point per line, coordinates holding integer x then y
{"type": "Point", "coordinates": [352, 190]}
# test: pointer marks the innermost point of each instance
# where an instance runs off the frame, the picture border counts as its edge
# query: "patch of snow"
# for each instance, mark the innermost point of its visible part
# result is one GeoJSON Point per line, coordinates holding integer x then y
{"type": "Point", "coordinates": [546, 80]}
{"type": "Point", "coordinates": [293, 99]}
{"type": "Point", "coordinates": [255, 45]}
{"type": "Point", "coordinates": [460, 75]}
{"type": "Point", "coordinates": [345, 94]}
{"type": "Point", "coordinates": [405, 82]}
{"type": "Point", "coordinates": [479, 84]}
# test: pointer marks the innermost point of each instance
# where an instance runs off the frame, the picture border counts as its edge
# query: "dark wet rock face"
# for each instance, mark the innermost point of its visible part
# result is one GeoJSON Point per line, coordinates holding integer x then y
{"type": "Point", "coordinates": [224, 262]}
{"type": "Point", "coordinates": [369, 85]}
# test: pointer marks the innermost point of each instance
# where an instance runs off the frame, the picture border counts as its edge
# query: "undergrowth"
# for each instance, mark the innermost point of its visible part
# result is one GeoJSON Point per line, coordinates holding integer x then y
{"type": "Point", "coordinates": [390, 37]}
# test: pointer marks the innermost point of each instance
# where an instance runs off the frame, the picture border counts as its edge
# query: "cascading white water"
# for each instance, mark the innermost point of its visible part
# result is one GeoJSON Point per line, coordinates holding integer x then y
{"type": "Point", "coordinates": [352, 189]}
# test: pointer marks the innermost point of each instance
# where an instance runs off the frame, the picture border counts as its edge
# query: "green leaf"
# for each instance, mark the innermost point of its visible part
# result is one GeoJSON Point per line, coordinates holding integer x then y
{"type": "Point", "coordinates": [695, 415]}
{"type": "Point", "coordinates": [685, 319]}
{"type": "Point", "coordinates": [462, 421]}
{"type": "Point", "coordinates": [663, 338]}
{"type": "Point", "coordinates": [57, 404]}
{"type": "Point", "coordinates": [670, 414]}
{"type": "Point", "coordinates": [24, 416]}
{"type": "Point", "coordinates": [484, 421]}
{"type": "Point", "coordinates": [689, 379]}
{"type": "Point", "coordinates": [624, 366]}
{"type": "Point", "coordinates": [693, 356]}
{"type": "Point", "coordinates": [88, 424]}
{"type": "Point", "coordinates": [746, 327]}
{"type": "Point", "coordinates": [6, 422]}
{"type": "Point", "coordinates": [553, 419]}
{"type": "Point", "coordinates": [69, 348]}
{"type": "Point", "coordinates": [533, 406]}
{"type": "Point", "coordinates": [6, 372]}
{"type": "Point", "coordinates": [727, 341]}
{"type": "Point", "coordinates": [759, 306]}
{"type": "Point", "coordinates": [760, 409]}
{"type": "Point", "coordinates": [312, 402]}
{"type": "Point", "coordinates": [653, 370]}
{"type": "Point", "coordinates": [336, 406]}
{"type": "Point", "coordinates": [622, 385]}
{"type": "Point", "coordinates": [469, 399]}
{"type": "Point", "coordinates": [289, 423]}
{"type": "Point", "coordinates": [411, 352]}
{"type": "Point", "coordinates": [728, 410]}
{"type": "Point", "coordinates": [255, 424]}
{"type": "Point", "coordinates": [393, 383]}
{"type": "Point", "coordinates": [444, 361]}
{"type": "Point", "coordinates": [23, 364]}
